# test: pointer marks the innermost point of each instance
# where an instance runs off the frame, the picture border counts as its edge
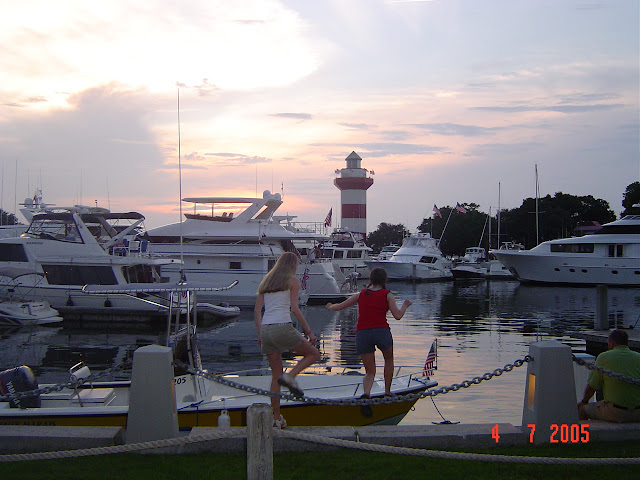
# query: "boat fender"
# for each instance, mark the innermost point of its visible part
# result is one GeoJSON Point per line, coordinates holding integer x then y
{"type": "Point", "coordinates": [20, 379]}
{"type": "Point", "coordinates": [224, 420]}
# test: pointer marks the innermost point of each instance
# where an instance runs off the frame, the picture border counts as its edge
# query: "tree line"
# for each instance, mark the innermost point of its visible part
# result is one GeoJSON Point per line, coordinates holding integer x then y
{"type": "Point", "coordinates": [558, 216]}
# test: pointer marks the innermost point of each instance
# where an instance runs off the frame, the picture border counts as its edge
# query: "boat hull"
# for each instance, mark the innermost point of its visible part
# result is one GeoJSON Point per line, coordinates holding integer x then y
{"type": "Point", "coordinates": [111, 404]}
{"type": "Point", "coordinates": [530, 267]}
{"type": "Point", "coordinates": [412, 271]}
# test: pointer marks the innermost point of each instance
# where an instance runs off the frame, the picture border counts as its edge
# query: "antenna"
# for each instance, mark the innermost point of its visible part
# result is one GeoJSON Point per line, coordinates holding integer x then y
{"type": "Point", "coordinates": [182, 278]}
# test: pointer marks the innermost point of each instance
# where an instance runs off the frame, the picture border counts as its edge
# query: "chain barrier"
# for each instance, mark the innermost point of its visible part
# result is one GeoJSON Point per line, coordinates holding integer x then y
{"type": "Point", "coordinates": [284, 396]}
{"type": "Point", "coordinates": [358, 401]}
{"type": "Point", "coordinates": [71, 384]}
{"type": "Point", "coordinates": [604, 371]}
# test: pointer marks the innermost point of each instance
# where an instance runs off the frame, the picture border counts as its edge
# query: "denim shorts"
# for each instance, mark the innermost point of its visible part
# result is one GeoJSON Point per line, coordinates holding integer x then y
{"type": "Point", "coordinates": [367, 340]}
{"type": "Point", "coordinates": [279, 337]}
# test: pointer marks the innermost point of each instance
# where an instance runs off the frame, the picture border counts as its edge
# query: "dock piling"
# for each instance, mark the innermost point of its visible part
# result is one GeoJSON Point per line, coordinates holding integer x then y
{"type": "Point", "coordinates": [152, 400]}
{"type": "Point", "coordinates": [602, 308]}
{"type": "Point", "coordinates": [549, 397]}
{"type": "Point", "coordinates": [259, 442]}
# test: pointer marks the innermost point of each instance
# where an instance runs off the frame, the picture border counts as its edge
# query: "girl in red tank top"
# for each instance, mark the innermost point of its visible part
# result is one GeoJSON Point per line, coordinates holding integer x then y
{"type": "Point", "coordinates": [372, 329]}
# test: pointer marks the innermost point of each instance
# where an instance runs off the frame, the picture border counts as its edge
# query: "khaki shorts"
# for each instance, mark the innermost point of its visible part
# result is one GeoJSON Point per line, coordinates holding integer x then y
{"type": "Point", "coordinates": [279, 337]}
{"type": "Point", "coordinates": [607, 412]}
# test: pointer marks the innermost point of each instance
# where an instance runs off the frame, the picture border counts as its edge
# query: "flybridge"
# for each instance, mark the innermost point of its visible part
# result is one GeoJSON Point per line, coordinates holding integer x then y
{"type": "Point", "coordinates": [230, 209]}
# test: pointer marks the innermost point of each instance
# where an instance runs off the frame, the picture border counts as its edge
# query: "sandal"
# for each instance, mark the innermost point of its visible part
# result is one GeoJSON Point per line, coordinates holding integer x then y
{"type": "Point", "coordinates": [282, 423]}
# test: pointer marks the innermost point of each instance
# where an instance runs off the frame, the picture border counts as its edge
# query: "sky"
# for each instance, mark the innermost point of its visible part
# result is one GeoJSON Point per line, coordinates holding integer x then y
{"type": "Point", "coordinates": [446, 101]}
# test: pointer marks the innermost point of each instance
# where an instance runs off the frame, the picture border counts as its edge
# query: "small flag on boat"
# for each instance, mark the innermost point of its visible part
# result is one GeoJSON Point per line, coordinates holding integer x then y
{"type": "Point", "coordinates": [429, 365]}
{"type": "Point", "coordinates": [460, 208]}
{"type": "Point", "coordinates": [436, 210]}
{"type": "Point", "coordinates": [327, 221]}
{"type": "Point", "coordinates": [305, 277]}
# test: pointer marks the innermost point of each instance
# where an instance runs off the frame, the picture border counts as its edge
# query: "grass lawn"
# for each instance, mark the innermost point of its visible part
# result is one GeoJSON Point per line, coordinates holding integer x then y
{"type": "Point", "coordinates": [334, 465]}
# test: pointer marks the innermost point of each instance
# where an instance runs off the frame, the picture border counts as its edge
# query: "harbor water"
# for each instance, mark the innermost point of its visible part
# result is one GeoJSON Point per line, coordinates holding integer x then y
{"type": "Point", "coordinates": [479, 326]}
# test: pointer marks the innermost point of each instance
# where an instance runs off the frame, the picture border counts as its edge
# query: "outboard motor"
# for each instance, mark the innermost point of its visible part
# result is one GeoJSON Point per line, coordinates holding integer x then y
{"type": "Point", "coordinates": [19, 379]}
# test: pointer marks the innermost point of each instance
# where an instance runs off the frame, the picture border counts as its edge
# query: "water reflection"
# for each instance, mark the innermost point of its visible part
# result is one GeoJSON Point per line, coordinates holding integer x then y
{"type": "Point", "coordinates": [479, 326]}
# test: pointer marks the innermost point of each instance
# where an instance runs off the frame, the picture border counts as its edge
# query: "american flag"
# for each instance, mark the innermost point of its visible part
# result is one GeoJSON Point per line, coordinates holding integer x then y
{"type": "Point", "coordinates": [305, 277]}
{"type": "Point", "coordinates": [429, 366]}
{"type": "Point", "coordinates": [327, 221]}
{"type": "Point", "coordinates": [436, 210]}
{"type": "Point", "coordinates": [460, 208]}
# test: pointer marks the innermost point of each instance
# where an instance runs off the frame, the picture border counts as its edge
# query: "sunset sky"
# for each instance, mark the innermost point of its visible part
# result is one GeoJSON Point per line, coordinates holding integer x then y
{"type": "Point", "coordinates": [443, 99]}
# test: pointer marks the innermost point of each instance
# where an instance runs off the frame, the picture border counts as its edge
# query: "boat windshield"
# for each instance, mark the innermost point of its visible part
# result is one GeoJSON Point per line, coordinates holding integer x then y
{"type": "Point", "coordinates": [55, 227]}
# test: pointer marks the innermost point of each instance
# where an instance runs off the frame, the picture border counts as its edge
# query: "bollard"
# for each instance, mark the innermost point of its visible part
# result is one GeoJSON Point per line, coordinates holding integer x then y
{"type": "Point", "coordinates": [259, 442]}
{"type": "Point", "coordinates": [549, 397]}
{"type": "Point", "coordinates": [602, 308]}
{"type": "Point", "coordinates": [152, 399]}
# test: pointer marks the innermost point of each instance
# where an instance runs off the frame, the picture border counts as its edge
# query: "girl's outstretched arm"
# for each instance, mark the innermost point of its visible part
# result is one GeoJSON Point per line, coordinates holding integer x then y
{"type": "Point", "coordinates": [353, 299]}
{"type": "Point", "coordinates": [397, 313]}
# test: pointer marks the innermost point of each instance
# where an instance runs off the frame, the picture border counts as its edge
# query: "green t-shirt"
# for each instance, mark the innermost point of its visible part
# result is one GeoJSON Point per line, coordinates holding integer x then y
{"type": "Point", "coordinates": [620, 359]}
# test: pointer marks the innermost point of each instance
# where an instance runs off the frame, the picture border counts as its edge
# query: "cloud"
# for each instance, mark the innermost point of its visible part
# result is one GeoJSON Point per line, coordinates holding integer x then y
{"type": "Point", "coordinates": [295, 116]}
{"type": "Point", "coordinates": [551, 108]}
{"type": "Point", "coordinates": [456, 129]}
{"type": "Point", "coordinates": [383, 149]}
{"type": "Point", "coordinates": [357, 126]}
{"type": "Point", "coordinates": [236, 159]}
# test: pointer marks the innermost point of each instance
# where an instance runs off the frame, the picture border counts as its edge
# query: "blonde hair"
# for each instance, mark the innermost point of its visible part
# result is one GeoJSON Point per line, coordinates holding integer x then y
{"type": "Point", "coordinates": [278, 278]}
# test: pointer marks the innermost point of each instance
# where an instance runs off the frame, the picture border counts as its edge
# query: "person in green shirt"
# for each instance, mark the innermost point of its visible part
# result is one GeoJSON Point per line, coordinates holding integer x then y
{"type": "Point", "coordinates": [621, 400]}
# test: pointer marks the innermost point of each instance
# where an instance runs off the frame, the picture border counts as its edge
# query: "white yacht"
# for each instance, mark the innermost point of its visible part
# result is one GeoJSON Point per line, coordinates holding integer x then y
{"type": "Point", "coordinates": [68, 248]}
{"type": "Point", "coordinates": [609, 256]}
{"type": "Point", "coordinates": [348, 251]}
{"type": "Point", "coordinates": [419, 258]}
{"type": "Point", "coordinates": [238, 239]}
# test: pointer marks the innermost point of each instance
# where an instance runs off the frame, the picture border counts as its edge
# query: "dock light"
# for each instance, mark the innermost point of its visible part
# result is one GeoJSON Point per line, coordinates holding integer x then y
{"type": "Point", "coordinates": [531, 390]}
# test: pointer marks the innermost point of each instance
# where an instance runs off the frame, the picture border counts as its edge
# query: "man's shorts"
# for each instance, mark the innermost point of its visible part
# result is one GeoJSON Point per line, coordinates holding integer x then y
{"type": "Point", "coordinates": [609, 412]}
{"type": "Point", "coordinates": [279, 337]}
{"type": "Point", "coordinates": [367, 340]}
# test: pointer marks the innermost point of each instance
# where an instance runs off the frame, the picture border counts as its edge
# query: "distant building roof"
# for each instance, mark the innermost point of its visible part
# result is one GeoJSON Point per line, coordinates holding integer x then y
{"type": "Point", "coordinates": [588, 227]}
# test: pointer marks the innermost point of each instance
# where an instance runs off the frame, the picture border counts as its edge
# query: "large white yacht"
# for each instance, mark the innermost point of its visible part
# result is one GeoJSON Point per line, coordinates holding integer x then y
{"type": "Point", "coordinates": [419, 258]}
{"type": "Point", "coordinates": [238, 239]}
{"type": "Point", "coordinates": [609, 256]}
{"type": "Point", "coordinates": [67, 248]}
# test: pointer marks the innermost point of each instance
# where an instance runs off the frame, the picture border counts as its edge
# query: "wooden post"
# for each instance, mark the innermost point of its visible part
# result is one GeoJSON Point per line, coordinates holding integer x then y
{"type": "Point", "coordinates": [260, 442]}
{"type": "Point", "coordinates": [602, 308]}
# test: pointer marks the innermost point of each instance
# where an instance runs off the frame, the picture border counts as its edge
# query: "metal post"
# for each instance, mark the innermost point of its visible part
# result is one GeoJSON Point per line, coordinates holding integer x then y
{"type": "Point", "coordinates": [259, 442]}
{"type": "Point", "coordinates": [602, 308]}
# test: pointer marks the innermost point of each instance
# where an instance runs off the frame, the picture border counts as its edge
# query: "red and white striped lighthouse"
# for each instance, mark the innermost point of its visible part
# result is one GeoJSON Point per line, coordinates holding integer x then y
{"type": "Point", "coordinates": [353, 184]}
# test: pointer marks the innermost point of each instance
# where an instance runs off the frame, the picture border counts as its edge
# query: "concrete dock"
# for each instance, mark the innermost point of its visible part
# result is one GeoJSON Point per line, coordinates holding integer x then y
{"type": "Point", "coordinates": [28, 439]}
{"type": "Point", "coordinates": [596, 340]}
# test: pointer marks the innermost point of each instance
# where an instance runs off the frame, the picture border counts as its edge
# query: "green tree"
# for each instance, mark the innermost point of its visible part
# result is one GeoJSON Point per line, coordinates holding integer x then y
{"type": "Point", "coordinates": [631, 197]}
{"type": "Point", "coordinates": [558, 217]}
{"type": "Point", "coordinates": [386, 234]}
{"type": "Point", "coordinates": [7, 218]}
{"type": "Point", "coordinates": [463, 230]}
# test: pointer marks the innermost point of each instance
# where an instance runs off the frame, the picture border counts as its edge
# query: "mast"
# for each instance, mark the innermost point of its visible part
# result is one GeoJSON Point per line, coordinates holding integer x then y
{"type": "Point", "coordinates": [498, 238]}
{"type": "Point", "coordinates": [537, 197]}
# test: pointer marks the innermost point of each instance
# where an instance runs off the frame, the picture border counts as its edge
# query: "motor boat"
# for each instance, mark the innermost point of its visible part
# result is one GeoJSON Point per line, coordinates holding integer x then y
{"type": "Point", "coordinates": [232, 238]}
{"type": "Point", "coordinates": [476, 265]}
{"type": "Point", "coordinates": [16, 311]}
{"type": "Point", "coordinates": [201, 397]}
{"type": "Point", "coordinates": [66, 248]}
{"type": "Point", "coordinates": [418, 259]}
{"type": "Point", "coordinates": [347, 250]}
{"type": "Point", "coordinates": [609, 256]}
